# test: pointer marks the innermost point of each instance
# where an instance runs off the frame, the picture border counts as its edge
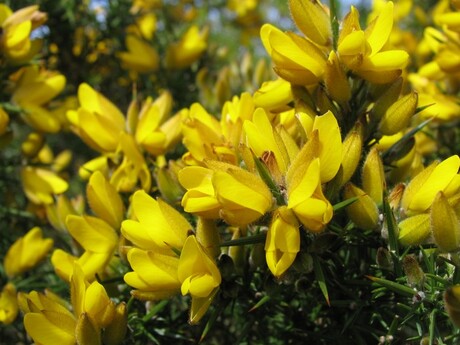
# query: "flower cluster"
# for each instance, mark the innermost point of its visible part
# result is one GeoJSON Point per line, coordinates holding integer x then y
{"type": "Point", "coordinates": [227, 182]}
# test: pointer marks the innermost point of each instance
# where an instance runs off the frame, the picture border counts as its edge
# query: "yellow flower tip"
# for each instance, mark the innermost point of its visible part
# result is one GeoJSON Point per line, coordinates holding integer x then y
{"type": "Point", "coordinates": [363, 212]}
{"type": "Point", "coordinates": [445, 224]}
{"type": "Point", "coordinates": [283, 241]}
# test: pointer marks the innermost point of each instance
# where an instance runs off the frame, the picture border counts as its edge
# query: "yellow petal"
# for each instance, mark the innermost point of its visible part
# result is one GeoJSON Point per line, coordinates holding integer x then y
{"type": "Point", "coordinates": [313, 20]}
{"type": "Point", "coordinates": [104, 200]}
{"type": "Point", "coordinates": [43, 331]}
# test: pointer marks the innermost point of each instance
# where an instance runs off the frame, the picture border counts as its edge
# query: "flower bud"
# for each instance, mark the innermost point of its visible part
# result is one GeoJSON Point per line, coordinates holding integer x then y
{"type": "Point", "coordinates": [374, 176]}
{"type": "Point", "coordinates": [336, 80]}
{"type": "Point", "coordinates": [444, 224]}
{"type": "Point", "coordinates": [398, 115]}
{"type": "Point", "coordinates": [414, 274]}
{"type": "Point", "coordinates": [33, 144]}
{"type": "Point", "coordinates": [85, 332]}
{"type": "Point", "coordinates": [386, 98]}
{"type": "Point", "coordinates": [115, 332]}
{"type": "Point", "coordinates": [414, 230]}
{"type": "Point", "coordinates": [384, 259]}
{"type": "Point", "coordinates": [283, 241]}
{"type": "Point", "coordinates": [351, 152]}
{"type": "Point", "coordinates": [313, 20]}
{"type": "Point", "coordinates": [363, 212]}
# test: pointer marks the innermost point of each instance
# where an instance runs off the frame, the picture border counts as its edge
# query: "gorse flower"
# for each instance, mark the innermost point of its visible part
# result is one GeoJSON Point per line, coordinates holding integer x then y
{"type": "Point", "coordinates": [166, 259]}
{"type": "Point", "coordinates": [26, 252]}
{"type": "Point", "coordinates": [16, 44]}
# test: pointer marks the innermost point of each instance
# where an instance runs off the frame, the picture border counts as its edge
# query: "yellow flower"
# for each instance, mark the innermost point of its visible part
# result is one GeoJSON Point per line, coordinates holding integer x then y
{"type": "Point", "coordinates": [35, 88]}
{"type": "Point", "coordinates": [203, 138]}
{"type": "Point", "coordinates": [98, 122]}
{"type": "Point", "coordinates": [91, 299]}
{"type": "Point", "coordinates": [157, 224]}
{"type": "Point", "coordinates": [98, 240]}
{"type": "Point", "coordinates": [153, 131]}
{"type": "Point", "coordinates": [283, 241]}
{"type": "Point", "coordinates": [200, 196]}
{"type": "Point", "coordinates": [296, 59]}
{"type": "Point", "coordinates": [196, 271]}
{"type": "Point", "coordinates": [16, 27]}
{"type": "Point", "coordinates": [363, 51]}
{"type": "Point", "coordinates": [422, 189]}
{"type": "Point", "coordinates": [41, 184]}
{"type": "Point", "coordinates": [262, 138]}
{"type": "Point", "coordinates": [26, 252]}
{"type": "Point", "coordinates": [226, 191]}
{"type": "Point", "coordinates": [189, 49]}
{"type": "Point", "coordinates": [47, 321]}
{"type": "Point", "coordinates": [274, 95]}
{"type": "Point", "coordinates": [133, 169]}
{"type": "Point", "coordinates": [8, 304]}
{"type": "Point", "coordinates": [154, 274]}
{"type": "Point", "coordinates": [234, 113]}
{"type": "Point", "coordinates": [199, 276]}
{"type": "Point", "coordinates": [306, 198]}
{"type": "Point", "coordinates": [445, 224]}
{"type": "Point", "coordinates": [141, 56]}
{"type": "Point", "coordinates": [243, 196]}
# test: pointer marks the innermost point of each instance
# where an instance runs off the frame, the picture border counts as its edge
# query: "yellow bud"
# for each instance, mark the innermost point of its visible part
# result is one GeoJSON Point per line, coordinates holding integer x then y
{"type": "Point", "coordinates": [168, 184]}
{"type": "Point", "coordinates": [398, 115]}
{"type": "Point", "coordinates": [132, 116]}
{"type": "Point", "coordinates": [386, 96]}
{"type": "Point", "coordinates": [313, 20]}
{"type": "Point", "coordinates": [33, 144]}
{"type": "Point", "coordinates": [115, 332]}
{"type": "Point", "coordinates": [414, 230]}
{"type": "Point", "coordinates": [351, 152]}
{"type": "Point", "coordinates": [363, 212]}
{"type": "Point", "coordinates": [374, 176]}
{"type": "Point", "coordinates": [99, 163]}
{"type": "Point", "coordinates": [444, 224]}
{"type": "Point", "coordinates": [336, 80]}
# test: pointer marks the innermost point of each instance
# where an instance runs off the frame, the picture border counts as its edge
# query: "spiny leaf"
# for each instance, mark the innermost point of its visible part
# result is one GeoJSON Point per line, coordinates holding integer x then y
{"type": "Point", "coordinates": [393, 286]}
